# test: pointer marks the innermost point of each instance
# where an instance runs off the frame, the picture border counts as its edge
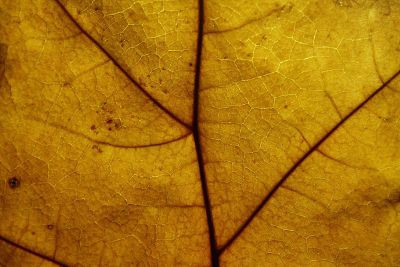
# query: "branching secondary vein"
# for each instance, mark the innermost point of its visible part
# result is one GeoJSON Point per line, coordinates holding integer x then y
{"type": "Point", "coordinates": [298, 163]}
{"type": "Point", "coordinates": [131, 79]}
{"type": "Point", "coordinates": [115, 145]}
{"type": "Point", "coordinates": [28, 250]}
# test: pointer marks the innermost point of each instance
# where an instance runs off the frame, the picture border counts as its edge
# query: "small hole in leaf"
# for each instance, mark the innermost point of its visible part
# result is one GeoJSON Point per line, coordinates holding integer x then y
{"type": "Point", "coordinates": [13, 182]}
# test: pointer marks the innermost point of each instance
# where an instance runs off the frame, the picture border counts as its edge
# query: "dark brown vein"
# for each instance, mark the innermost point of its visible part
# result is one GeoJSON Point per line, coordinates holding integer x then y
{"type": "Point", "coordinates": [28, 250]}
{"type": "Point", "coordinates": [251, 21]}
{"type": "Point", "coordinates": [314, 200]}
{"type": "Point", "coordinates": [196, 137]}
{"type": "Point", "coordinates": [341, 162]}
{"type": "Point", "coordinates": [131, 79]}
{"type": "Point", "coordinates": [108, 143]}
{"type": "Point", "coordinates": [298, 163]}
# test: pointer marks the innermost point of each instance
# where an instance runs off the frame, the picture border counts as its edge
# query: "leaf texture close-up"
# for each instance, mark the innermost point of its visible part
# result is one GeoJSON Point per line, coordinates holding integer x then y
{"type": "Point", "coordinates": [199, 133]}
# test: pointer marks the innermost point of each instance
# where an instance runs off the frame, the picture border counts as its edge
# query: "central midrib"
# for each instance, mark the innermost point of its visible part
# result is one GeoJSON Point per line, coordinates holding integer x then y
{"type": "Point", "coordinates": [196, 137]}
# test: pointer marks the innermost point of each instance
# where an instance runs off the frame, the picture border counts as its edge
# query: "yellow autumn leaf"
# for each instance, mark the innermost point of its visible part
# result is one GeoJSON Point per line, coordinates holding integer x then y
{"type": "Point", "coordinates": [199, 133]}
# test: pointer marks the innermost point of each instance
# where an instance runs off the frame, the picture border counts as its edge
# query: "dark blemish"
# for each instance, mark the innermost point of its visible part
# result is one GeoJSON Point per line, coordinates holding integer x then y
{"type": "Point", "coordinates": [110, 129]}
{"type": "Point", "coordinates": [394, 197]}
{"type": "Point", "coordinates": [97, 148]}
{"type": "Point", "coordinates": [33, 233]}
{"type": "Point", "coordinates": [3, 56]}
{"type": "Point", "coordinates": [279, 10]}
{"type": "Point", "coordinates": [122, 42]}
{"type": "Point", "coordinates": [285, 106]}
{"type": "Point", "coordinates": [3, 53]}
{"type": "Point", "coordinates": [287, 8]}
{"type": "Point", "coordinates": [109, 121]}
{"type": "Point", "coordinates": [13, 182]}
{"type": "Point", "coordinates": [117, 124]}
{"type": "Point", "coordinates": [106, 108]}
{"type": "Point", "coordinates": [190, 64]}
{"type": "Point", "coordinates": [66, 84]}
{"type": "Point", "coordinates": [93, 127]}
{"type": "Point", "coordinates": [50, 226]}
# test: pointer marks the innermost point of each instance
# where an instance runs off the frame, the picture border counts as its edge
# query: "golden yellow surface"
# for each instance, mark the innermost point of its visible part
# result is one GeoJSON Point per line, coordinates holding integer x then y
{"type": "Point", "coordinates": [299, 132]}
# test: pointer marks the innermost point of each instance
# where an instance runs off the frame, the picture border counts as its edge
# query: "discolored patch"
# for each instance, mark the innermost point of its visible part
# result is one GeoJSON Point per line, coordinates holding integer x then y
{"type": "Point", "coordinates": [3, 56]}
{"type": "Point", "coordinates": [14, 182]}
{"type": "Point", "coordinates": [394, 197]}
{"type": "Point", "coordinates": [113, 124]}
{"type": "Point", "coordinates": [351, 3]}
{"type": "Point", "coordinates": [97, 149]}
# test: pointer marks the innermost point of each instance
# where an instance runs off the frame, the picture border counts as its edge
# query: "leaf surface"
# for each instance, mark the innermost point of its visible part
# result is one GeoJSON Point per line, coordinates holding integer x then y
{"type": "Point", "coordinates": [179, 132]}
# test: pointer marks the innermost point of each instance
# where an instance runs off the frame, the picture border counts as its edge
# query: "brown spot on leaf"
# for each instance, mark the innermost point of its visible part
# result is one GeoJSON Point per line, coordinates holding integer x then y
{"type": "Point", "coordinates": [105, 107]}
{"type": "Point", "coordinates": [14, 182]}
{"type": "Point", "coordinates": [50, 226]}
{"type": "Point", "coordinates": [394, 197]}
{"type": "Point", "coordinates": [97, 149]}
{"type": "Point", "coordinates": [98, 6]}
{"type": "Point", "coordinates": [117, 124]}
{"type": "Point", "coordinates": [3, 56]}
